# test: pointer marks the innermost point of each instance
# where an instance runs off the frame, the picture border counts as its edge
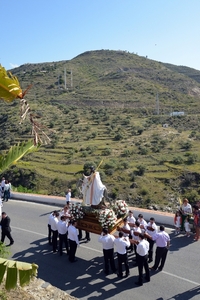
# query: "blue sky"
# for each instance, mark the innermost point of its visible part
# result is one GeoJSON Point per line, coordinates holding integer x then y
{"type": "Point", "coordinates": [34, 31]}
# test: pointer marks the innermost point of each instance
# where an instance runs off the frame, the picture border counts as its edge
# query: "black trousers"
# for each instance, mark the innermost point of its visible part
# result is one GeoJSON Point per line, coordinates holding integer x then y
{"type": "Point", "coordinates": [122, 258]}
{"type": "Point", "coordinates": [72, 250]}
{"type": "Point", "coordinates": [161, 255]}
{"type": "Point", "coordinates": [109, 257]}
{"type": "Point", "coordinates": [63, 239]}
{"type": "Point", "coordinates": [151, 244]}
{"type": "Point", "coordinates": [55, 240]}
{"type": "Point", "coordinates": [49, 234]}
{"type": "Point", "coordinates": [143, 263]}
{"type": "Point", "coordinates": [87, 235]}
{"type": "Point", "coordinates": [7, 233]}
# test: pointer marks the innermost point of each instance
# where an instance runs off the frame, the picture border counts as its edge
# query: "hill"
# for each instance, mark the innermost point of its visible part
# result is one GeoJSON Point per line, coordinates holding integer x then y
{"type": "Point", "coordinates": [105, 108]}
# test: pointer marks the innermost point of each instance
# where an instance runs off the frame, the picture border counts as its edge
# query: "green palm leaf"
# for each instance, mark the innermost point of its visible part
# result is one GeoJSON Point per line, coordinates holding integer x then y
{"type": "Point", "coordinates": [9, 86]}
{"type": "Point", "coordinates": [15, 153]}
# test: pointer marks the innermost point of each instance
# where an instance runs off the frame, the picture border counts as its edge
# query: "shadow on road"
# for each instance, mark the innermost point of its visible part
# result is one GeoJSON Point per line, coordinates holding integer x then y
{"type": "Point", "coordinates": [84, 278]}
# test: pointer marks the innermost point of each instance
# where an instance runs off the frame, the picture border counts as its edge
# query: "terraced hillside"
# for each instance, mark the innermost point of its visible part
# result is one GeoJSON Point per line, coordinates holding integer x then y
{"type": "Point", "coordinates": [108, 114]}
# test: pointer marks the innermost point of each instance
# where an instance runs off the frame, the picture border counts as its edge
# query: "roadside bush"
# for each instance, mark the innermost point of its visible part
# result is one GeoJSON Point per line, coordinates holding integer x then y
{"type": "Point", "coordinates": [178, 160]}
{"type": "Point", "coordinates": [106, 152]}
{"type": "Point", "coordinates": [192, 159]}
{"type": "Point", "coordinates": [140, 170]}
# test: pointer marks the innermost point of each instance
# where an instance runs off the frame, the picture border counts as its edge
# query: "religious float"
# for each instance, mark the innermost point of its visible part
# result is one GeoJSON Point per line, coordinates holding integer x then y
{"type": "Point", "coordinates": [97, 211]}
{"type": "Point", "coordinates": [95, 219]}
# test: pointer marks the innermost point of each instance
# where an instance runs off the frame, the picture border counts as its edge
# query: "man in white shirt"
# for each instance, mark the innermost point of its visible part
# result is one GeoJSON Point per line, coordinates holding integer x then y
{"type": "Point", "coordinates": [121, 244]}
{"type": "Point", "coordinates": [107, 240]}
{"type": "Point", "coordinates": [142, 222]}
{"type": "Point", "coordinates": [73, 240]}
{"type": "Point", "coordinates": [62, 232]}
{"type": "Point", "coordinates": [131, 220]}
{"type": "Point", "coordinates": [135, 236]}
{"type": "Point", "coordinates": [2, 184]}
{"type": "Point", "coordinates": [51, 216]}
{"type": "Point", "coordinates": [54, 228]}
{"type": "Point", "coordinates": [151, 229]}
{"type": "Point", "coordinates": [68, 196]}
{"type": "Point", "coordinates": [162, 240]}
{"type": "Point", "coordinates": [142, 257]}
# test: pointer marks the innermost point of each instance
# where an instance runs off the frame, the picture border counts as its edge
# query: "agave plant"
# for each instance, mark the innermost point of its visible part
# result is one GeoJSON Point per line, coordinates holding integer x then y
{"type": "Point", "coordinates": [16, 272]}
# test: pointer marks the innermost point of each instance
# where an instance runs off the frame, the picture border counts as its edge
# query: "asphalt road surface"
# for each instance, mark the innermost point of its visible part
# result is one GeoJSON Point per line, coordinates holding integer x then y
{"type": "Point", "coordinates": [85, 279]}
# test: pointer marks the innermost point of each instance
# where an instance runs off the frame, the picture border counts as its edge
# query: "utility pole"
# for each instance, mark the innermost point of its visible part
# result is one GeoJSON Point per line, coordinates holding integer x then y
{"type": "Point", "coordinates": [65, 78]}
{"type": "Point", "coordinates": [157, 104]}
{"type": "Point", "coordinates": [71, 79]}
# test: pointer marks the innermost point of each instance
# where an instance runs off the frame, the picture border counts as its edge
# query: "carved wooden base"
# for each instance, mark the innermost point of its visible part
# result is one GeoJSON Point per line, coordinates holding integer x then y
{"type": "Point", "coordinates": [90, 223]}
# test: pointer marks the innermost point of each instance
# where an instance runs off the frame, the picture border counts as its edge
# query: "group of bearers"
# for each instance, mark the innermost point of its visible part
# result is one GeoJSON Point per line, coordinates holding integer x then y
{"type": "Point", "coordinates": [62, 231]}
{"type": "Point", "coordinates": [140, 236]}
{"type": "Point", "coordinates": [135, 235]}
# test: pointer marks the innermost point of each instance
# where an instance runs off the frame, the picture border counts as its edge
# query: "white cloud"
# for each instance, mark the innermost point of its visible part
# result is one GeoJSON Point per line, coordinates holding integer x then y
{"type": "Point", "coordinates": [14, 65]}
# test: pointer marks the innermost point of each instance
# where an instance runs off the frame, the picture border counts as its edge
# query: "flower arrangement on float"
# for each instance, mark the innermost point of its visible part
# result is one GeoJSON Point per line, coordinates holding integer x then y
{"type": "Point", "coordinates": [76, 211]}
{"type": "Point", "coordinates": [107, 218]}
{"type": "Point", "coordinates": [120, 208]}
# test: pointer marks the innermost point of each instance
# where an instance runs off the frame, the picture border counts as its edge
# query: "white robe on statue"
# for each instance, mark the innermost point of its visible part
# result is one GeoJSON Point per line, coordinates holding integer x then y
{"type": "Point", "coordinates": [92, 189]}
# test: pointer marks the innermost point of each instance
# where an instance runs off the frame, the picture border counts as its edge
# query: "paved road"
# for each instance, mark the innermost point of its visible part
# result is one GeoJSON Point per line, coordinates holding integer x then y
{"type": "Point", "coordinates": [85, 279]}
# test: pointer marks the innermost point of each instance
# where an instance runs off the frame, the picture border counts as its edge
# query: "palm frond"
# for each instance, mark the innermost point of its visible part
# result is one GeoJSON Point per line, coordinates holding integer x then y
{"type": "Point", "coordinates": [9, 86]}
{"type": "Point", "coordinates": [15, 153]}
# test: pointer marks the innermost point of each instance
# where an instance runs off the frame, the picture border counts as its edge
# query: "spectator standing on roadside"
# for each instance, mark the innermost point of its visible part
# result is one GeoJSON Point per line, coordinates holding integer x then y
{"type": "Point", "coordinates": [107, 240]}
{"type": "Point", "coordinates": [5, 228]}
{"type": "Point", "coordinates": [6, 191]}
{"type": "Point", "coordinates": [196, 214]}
{"type": "Point", "coordinates": [68, 195]}
{"type": "Point", "coordinates": [186, 211]}
{"type": "Point", "coordinates": [2, 184]}
{"type": "Point", "coordinates": [177, 222]}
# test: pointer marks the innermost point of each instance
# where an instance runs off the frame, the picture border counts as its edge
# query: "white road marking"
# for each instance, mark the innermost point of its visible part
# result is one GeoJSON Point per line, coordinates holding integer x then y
{"type": "Point", "coordinates": [46, 236]}
{"type": "Point", "coordinates": [182, 278]}
{"type": "Point", "coordinates": [29, 231]}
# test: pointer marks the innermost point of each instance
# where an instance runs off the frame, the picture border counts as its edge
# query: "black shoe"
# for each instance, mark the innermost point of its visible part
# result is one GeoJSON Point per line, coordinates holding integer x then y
{"type": "Point", "coordinates": [152, 269]}
{"type": "Point", "coordinates": [150, 260]}
{"type": "Point", "coordinates": [138, 283]}
{"type": "Point", "coordinates": [127, 274]}
{"type": "Point", "coordinates": [147, 279]}
{"type": "Point", "coordinates": [106, 272]}
{"type": "Point", "coordinates": [120, 276]}
{"type": "Point", "coordinates": [160, 269]}
{"type": "Point", "coordinates": [72, 261]}
{"type": "Point", "coordinates": [11, 244]}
